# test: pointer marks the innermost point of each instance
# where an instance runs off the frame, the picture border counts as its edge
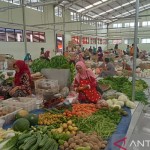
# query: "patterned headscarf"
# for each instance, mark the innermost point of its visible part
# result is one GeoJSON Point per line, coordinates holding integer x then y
{"type": "Point", "coordinates": [23, 68]}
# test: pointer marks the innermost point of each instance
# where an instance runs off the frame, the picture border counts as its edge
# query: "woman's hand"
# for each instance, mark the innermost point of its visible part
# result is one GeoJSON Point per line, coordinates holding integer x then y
{"type": "Point", "coordinates": [12, 91]}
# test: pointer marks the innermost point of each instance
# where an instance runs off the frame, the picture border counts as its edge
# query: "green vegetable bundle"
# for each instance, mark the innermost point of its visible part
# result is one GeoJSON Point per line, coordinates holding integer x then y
{"type": "Point", "coordinates": [40, 63]}
{"type": "Point", "coordinates": [58, 62]}
{"type": "Point", "coordinates": [103, 122]}
{"type": "Point", "coordinates": [123, 85]}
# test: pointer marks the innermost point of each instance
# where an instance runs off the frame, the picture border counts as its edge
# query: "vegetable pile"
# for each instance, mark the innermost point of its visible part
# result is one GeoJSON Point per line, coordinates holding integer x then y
{"type": "Point", "coordinates": [103, 122]}
{"type": "Point", "coordinates": [81, 110]}
{"type": "Point", "coordinates": [58, 62]}
{"type": "Point", "coordinates": [123, 85]}
{"type": "Point", "coordinates": [83, 141]}
{"type": "Point", "coordinates": [49, 118]}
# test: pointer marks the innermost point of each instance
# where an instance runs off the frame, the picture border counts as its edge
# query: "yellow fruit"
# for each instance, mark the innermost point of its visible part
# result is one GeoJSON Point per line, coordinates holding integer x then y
{"type": "Point", "coordinates": [60, 130]}
{"type": "Point", "coordinates": [73, 132]}
{"type": "Point", "coordinates": [73, 125]}
{"type": "Point", "coordinates": [64, 125]}
{"type": "Point", "coordinates": [70, 128]}
{"type": "Point", "coordinates": [68, 132]}
{"type": "Point", "coordinates": [69, 122]}
{"type": "Point", "coordinates": [53, 130]}
{"type": "Point", "coordinates": [75, 128]}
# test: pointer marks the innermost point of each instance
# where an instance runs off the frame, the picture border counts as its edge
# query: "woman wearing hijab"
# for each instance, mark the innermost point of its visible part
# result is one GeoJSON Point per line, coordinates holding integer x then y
{"type": "Point", "coordinates": [100, 54]}
{"type": "Point", "coordinates": [85, 84]}
{"type": "Point", "coordinates": [22, 81]}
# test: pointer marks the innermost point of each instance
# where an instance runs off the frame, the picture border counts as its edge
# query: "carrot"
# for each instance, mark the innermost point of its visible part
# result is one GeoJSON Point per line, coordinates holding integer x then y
{"type": "Point", "coordinates": [81, 110]}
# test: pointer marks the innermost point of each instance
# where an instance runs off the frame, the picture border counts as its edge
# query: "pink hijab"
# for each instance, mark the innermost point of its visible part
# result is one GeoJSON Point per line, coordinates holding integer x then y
{"type": "Point", "coordinates": [86, 72]}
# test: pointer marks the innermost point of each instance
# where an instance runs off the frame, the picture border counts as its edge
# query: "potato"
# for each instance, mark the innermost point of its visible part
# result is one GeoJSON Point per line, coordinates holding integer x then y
{"type": "Point", "coordinates": [84, 139]}
{"type": "Point", "coordinates": [72, 145]}
{"type": "Point", "coordinates": [95, 147]}
{"type": "Point", "coordinates": [94, 139]}
{"type": "Point", "coordinates": [71, 140]}
{"type": "Point", "coordinates": [61, 147]}
{"type": "Point", "coordinates": [85, 144]}
{"type": "Point", "coordinates": [104, 142]}
{"type": "Point", "coordinates": [66, 144]}
{"type": "Point", "coordinates": [103, 146]}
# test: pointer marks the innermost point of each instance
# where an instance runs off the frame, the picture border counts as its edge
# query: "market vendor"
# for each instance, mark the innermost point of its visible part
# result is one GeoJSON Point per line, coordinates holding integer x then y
{"type": "Point", "coordinates": [85, 84]}
{"type": "Point", "coordinates": [22, 82]}
{"type": "Point", "coordinates": [108, 69]}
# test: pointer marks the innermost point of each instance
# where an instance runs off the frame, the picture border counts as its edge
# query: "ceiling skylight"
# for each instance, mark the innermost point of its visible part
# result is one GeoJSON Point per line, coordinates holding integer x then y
{"type": "Point", "coordinates": [80, 10]}
{"type": "Point", "coordinates": [97, 3]}
{"type": "Point", "coordinates": [89, 6]}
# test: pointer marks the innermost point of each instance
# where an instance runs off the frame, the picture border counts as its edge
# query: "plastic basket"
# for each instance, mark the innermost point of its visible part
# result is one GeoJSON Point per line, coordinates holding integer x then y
{"type": "Point", "coordinates": [10, 116]}
{"type": "Point", "coordinates": [26, 103]}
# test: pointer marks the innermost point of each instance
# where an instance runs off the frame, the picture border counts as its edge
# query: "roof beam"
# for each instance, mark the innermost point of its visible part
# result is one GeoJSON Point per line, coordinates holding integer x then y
{"type": "Point", "coordinates": [99, 5]}
{"type": "Point", "coordinates": [71, 3]}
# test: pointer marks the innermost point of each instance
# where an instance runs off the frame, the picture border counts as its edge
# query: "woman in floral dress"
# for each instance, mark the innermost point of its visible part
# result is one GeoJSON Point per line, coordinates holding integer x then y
{"type": "Point", "coordinates": [85, 84]}
{"type": "Point", "coordinates": [22, 82]}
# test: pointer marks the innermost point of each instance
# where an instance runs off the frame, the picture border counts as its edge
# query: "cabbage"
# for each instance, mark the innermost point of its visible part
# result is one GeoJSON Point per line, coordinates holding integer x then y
{"type": "Point", "coordinates": [114, 100]}
{"type": "Point", "coordinates": [123, 98]}
{"type": "Point", "coordinates": [130, 104]}
{"type": "Point", "coordinates": [121, 103]}
{"type": "Point", "coordinates": [116, 106]}
{"type": "Point", "coordinates": [109, 102]}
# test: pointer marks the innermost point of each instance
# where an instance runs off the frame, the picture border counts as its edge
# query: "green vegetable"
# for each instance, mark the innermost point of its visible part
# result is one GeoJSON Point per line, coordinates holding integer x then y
{"type": "Point", "coordinates": [83, 148]}
{"type": "Point", "coordinates": [43, 141]}
{"type": "Point", "coordinates": [123, 85]}
{"type": "Point", "coordinates": [40, 63]}
{"type": "Point", "coordinates": [35, 147]}
{"type": "Point", "coordinates": [11, 143]}
{"type": "Point", "coordinates": [103, 122]}
{"type": "Point", "coordinates": [23, 136]}
{"type": "Point", "coordinates": [29, 144]}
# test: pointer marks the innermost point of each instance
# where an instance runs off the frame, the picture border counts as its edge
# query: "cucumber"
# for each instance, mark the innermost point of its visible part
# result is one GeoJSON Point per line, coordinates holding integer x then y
{"type": "Point", "coordinates": [47, 145]}
{"type": "Point", "coordinates": [54, 145]}
{"type": "Point", "coordinates": [11, 143]}
{"type": "Point", "coordinates": [24, 136]}
{"type": "Point", "coordinates": [29, 144]}
{"type": "Point", "coordinates": [35, 147]}
{"type": "Point", "coordinates": [43, 141]}
{"type": "Point", "coordinates": [29, 138]}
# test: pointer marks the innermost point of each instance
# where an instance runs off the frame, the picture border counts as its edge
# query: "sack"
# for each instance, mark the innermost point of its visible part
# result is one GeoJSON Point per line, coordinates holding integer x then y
{"type": "Point", "coordinates": [99, 89]}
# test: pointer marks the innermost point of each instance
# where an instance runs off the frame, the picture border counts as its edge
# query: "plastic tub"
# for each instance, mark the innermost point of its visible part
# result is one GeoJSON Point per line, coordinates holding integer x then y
{"type": "Point", "coordinates": [26, 103]}
{"type": "Point", "coordinates": [2, 121]}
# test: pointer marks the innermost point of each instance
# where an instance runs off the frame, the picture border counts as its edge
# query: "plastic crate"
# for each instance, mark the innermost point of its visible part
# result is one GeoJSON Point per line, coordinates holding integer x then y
{"type": "Point", "coordinates": [11, 113]}
{"type": "Point", "coordinates": [26, 103]}
{"type": "Point", "coordinates": [46, 84]}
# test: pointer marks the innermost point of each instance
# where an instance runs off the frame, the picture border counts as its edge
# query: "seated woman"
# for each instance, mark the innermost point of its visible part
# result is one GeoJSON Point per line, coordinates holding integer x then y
{"type": "Point", "coordinates": [108, 69]}
{"type": "Point", "coordinates": [22, 82]}
{"type": "Point", "coordinates": [85, 84]}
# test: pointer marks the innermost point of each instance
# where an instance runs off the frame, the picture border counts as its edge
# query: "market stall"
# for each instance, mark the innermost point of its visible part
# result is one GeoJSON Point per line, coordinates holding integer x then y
{"type": "Point", "coordinates": [55, 115]}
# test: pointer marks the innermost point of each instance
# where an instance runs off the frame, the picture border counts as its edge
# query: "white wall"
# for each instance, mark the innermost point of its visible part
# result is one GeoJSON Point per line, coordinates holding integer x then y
{"type": "Point", "coordinates": [34, 17]}
{"type": "Point", "coordinates": [125, 33]}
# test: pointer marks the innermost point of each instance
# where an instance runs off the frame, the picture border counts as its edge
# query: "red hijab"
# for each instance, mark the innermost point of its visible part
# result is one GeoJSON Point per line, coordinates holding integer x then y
{"type": "Point", "coordinates": [23, 68]}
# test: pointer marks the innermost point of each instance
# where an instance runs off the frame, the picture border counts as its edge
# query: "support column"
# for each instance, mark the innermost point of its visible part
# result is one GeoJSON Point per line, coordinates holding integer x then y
{"type": "Point", "coordinates": [54, 21]}
{"type": "Point", "coordinates": [107, 35]}
{"type": "Point", "coordinates": [64, 30]}
{"type": "Point", "coordinates": [24, 26]}
{"type": "Point", "coordinates": [135, 49]}
{"type": "Point", "coordinates": [80, 17]}
{"type": "Point", "coordinates": [96, 35]}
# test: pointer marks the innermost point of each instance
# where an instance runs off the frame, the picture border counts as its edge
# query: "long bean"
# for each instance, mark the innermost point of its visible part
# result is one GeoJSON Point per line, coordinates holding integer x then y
{"type": "Point", "coordinates": [104, 122]}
